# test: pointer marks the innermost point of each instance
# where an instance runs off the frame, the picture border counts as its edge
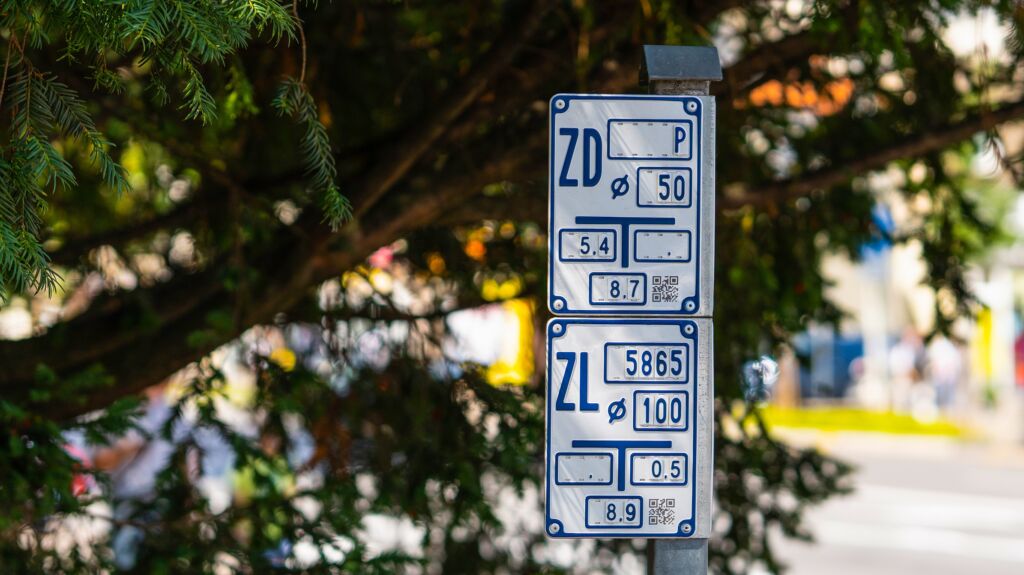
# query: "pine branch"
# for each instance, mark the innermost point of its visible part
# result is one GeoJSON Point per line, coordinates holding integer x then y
{"type": "Point", "coordinates": [295, 101]}
{"type": "Point", "coordinates": [199, 102]}
{"type": "Point", "coordinates": [176, 34]}
{"type": "Point", "coordinates": [71, 116]}
{"type": "Point", "coordinates": [270, 15]}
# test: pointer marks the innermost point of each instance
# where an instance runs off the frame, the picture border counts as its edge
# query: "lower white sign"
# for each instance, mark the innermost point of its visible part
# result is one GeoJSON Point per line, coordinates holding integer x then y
{"type": "Point", "coordinates": [629, 418]}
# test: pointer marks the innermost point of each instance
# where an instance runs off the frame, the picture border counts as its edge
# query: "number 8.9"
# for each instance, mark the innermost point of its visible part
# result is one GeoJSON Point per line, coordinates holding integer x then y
{"type": "Point", "coordinates": [629, 512]}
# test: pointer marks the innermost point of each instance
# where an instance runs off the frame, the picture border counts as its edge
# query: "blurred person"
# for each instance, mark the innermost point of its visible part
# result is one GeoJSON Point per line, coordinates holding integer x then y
{"type": "Point", "coordinates": [135, 460]}
{"type": "Point", "coordinates": [856, 371]}
{"type": "Point", "coordinates": [944, 368]}
{"type": "Point", "coordinates": [904, 359]}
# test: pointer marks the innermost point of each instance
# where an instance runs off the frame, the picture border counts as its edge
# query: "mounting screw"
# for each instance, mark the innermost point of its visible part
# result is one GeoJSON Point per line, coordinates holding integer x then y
{"type": "Point", "coordinates": [554, 528]}
{"type": "Point", "coordinates": [557, 328]}
{"type": "Point", "coordinates": [559, 304]}
{"type": "Point", "coordinates": [690, 306]}
{"type": "Point", "coordinates": [688, 328]}
{"type": "Point", "coordinates": [560, 104]}
{"type": "Point", "coordinates": [691, 107]}
{"type": "Point", "coordinates": [687, 528]}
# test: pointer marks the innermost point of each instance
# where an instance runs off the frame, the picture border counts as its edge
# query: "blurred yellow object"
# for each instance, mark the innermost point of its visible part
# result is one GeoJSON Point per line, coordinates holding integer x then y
{"type": "Point", "coordinates": [489, 290]}
{"type": "Point", "coordinates": [515, 361]}
{"type": "Point", "coordinates": [133, 158]}
{"type": "Point", "coordinates": [435, 263]}
{"type": "Point", "coordinates": [359, 274]}
{"type": "Point", "coordinates": [510, 288]}
{"type": "Point", "coordinates": [748, 222]}
{"type": "Point", "coordinates": [284, 358]}
{"type": "Point", "coordinates": [507, 230]}
{"type": "Point", "coordinates": [381, 281]}
{"type": "Point", "coordinates": [476, 249]}
{"type": "Point", "coordinates": [981, 347]}
{"type": "Point", "coordinates": [840, 419]}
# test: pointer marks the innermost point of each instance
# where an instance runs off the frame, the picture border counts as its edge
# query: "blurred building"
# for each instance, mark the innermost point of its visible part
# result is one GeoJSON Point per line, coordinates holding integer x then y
{"type": "Point", "coordinates": [885, 354]}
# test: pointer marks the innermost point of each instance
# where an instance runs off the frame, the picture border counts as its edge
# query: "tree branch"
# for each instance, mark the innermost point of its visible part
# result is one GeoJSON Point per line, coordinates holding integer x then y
{"type": "Point", "coordinates": [193, 300]}
{"type": "Point", "coordinates": [118, 341]}
{"type": "Point", "coordinates": [74, 248]}
{"type": "Point", "coordinates": [401, 160]}
{"type": "Point", "coordinates": [156, 322]}
{"type": "Point", "coordinates": [414, 211]}
{"type": "Point", "coordinates": [936, 138]}
{"type": "Point", "coordinates": [167, 348]}
{"type": "Point", "coordinates": [767, 59]}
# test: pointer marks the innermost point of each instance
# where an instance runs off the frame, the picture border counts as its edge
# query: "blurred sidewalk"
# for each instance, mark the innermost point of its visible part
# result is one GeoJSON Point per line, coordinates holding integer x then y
{"type": "Point", "coordinates": [922, 504]}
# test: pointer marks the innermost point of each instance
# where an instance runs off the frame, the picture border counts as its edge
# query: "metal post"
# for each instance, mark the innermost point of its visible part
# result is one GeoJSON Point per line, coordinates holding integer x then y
{"type": "Point", "coordinates": [679, 70]}
{"type": "Point", "coordinates": [677, 556]}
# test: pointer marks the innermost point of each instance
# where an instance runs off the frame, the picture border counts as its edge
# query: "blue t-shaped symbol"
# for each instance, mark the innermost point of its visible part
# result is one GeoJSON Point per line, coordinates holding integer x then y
{"type": "Point", "coordinates": [622, 446]}
{"type": "Point", "coordinates": [624, 224]}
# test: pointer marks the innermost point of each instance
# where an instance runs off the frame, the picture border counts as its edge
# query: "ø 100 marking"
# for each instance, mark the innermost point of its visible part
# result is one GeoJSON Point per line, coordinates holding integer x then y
{"type": "Point", "coordinates": [660, 410]}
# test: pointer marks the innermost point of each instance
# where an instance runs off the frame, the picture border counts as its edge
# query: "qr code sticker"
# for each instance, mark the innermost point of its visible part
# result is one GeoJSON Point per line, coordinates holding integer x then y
{"type": "Point", "coordinates": [664, 289]}
{"type": "Point", "coordinates": [661, 512]}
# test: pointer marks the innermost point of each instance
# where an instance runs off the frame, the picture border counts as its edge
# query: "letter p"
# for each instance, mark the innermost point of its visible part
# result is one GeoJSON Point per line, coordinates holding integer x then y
{"type": "Point", "coordinates": [680, 137]}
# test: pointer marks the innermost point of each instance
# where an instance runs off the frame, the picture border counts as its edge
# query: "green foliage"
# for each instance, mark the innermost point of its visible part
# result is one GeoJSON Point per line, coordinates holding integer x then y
{"type": "Point", "coordinates": [294, 100]}
{"type": "Point", "coordinates": [137, 149]}
{"type": "Point", "coordinates": [255, 533]}
{"type": "Point", "coordinates": [753, 471]}
{"type": "Point", "coordinates": [162, 42]}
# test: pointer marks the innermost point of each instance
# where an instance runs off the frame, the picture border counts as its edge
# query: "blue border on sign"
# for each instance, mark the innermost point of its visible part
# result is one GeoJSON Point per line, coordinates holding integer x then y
{"type": "Point", "coordinates": [611, 468]}
{"type": "Point", "coordinates": [615, 244]}
{"type": "Point", "coordinates": [689, 184]}
{"type": "Point", "coordinates": [586, 512]}
{"type": "Point", "coordinates": [688, 329]}
{"type": "Point", "coordinates": [689, 306]}
{"type": "Point", "coordinates": [686, 409]}
{"type": "Point", "coordinates": [686, 470]}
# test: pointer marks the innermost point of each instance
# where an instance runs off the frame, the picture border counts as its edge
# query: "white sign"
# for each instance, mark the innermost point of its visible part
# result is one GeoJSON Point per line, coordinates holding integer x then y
{"type": "Point", "coordinates": [631, 205]}
{"type": "Point", "coordinates": [629, 410]}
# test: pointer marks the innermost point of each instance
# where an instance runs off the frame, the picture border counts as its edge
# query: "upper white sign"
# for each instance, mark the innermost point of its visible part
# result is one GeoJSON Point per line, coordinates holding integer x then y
{"type": "Point", "coordinates": [631, 216]}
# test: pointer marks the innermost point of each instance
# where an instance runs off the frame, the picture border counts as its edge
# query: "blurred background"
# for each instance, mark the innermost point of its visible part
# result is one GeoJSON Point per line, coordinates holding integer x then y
{"type": "Point", "coordinates": [304, 331]}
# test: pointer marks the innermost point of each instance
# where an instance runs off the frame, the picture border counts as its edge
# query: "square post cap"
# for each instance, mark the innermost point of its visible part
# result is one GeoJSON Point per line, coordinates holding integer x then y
{"type": "Point", "coordinates": [661, 63]}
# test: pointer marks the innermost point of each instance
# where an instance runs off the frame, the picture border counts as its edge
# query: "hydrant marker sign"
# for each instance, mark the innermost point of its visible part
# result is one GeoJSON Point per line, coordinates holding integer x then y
{"type": "Point", "coordinates": [622, 433]}
{"type": "Point", "coordinates": [626, 212]}
{"type": "Point", "coordinates": [629, 412]}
